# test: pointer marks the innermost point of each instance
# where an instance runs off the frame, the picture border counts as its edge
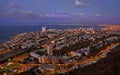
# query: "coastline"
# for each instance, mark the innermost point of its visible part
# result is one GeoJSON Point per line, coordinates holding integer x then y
{"type": "Point", "coordinates": [6, 32]}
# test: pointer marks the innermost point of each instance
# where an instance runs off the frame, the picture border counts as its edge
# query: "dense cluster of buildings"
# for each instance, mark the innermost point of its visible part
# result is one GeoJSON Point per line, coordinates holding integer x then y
{"type": "Point", "coordinates": [60, 50]}
{"type": "Point", "coordinates": [112, 27]}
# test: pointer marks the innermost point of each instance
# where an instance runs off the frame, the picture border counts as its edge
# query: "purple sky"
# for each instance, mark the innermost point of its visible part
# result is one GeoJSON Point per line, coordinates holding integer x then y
{"type": "Point", "coordinates": [59, 11]}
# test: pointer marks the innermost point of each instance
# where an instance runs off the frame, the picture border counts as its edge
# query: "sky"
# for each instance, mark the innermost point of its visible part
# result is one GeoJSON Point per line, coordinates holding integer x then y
{"type": "Point", "coordinates": [59, 11]}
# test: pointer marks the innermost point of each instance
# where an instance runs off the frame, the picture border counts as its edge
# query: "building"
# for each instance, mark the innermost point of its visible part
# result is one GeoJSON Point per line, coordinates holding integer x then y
{"type": "Point", "coordinates": [73, 54]}
{"type": "Point", "coordinates": [44, 29]}
{"type": "Point", "coordinates": [86, 51]}
{"type": "Point", "coordinates": [49, 49]}
{"type": "Point", "coordinates": [43, 59]}
{"type": "Point", "coordinates": [47, 59]}
{"type": "Point", "coordinates": [47, 69]}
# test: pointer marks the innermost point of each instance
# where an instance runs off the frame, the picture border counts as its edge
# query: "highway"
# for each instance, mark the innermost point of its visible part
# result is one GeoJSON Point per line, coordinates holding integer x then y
{"type": "Point", "coordinates": [6, 56]}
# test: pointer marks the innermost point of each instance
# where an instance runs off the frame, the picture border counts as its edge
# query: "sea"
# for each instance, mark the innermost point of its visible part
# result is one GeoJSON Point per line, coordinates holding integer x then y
{"type": "Point", "coordinates": [8, 31]}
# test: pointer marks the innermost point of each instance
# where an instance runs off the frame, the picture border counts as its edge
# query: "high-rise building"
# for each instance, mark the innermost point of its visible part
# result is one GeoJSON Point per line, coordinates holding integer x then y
{"type": "Point", "coordinates": [49, 49]}
{"type": "Point", "coordinates": [47, 59]}
{"type": "Point", "coordinates": [43, 59]}
{"type": "Point", "coordinates": [44, 29]}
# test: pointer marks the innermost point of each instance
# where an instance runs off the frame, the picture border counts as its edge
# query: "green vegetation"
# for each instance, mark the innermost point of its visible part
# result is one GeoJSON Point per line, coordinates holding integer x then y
{"type": "Point", "coordinates": [9, 65]}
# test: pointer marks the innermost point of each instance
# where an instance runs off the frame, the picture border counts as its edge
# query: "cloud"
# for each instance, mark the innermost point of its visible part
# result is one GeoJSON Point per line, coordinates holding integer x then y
{"type": "Point", "coordinates": [13, 6]}
{"type": "Point", "coordinates": [97, 15]}
{"type": "Point", "coordinates": [78, 3]}
{"type": "Point", "coordinates": [55, 16]}
{"type": "Point", "coordinates": [79, 14]}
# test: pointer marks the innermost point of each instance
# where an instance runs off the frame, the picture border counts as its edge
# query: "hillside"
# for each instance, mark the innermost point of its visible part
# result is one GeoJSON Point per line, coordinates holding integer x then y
{"type": "Point", "coordinates": [106, 66]}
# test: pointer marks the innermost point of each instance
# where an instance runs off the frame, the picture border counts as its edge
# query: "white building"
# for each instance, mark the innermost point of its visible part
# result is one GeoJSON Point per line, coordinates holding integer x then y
{"type": "Point", "coordinates": [44, 29]}
{"type": "Point", "coordinates": [73, 54]}
{"type": "Point", "coordinates": [47, 59]}
{"type": "Point", "coordinates": [43, 59]}
{"type": "Point", "coordinates": [85, 50]}
{"type": "Point", "coordinates": [49, 49]}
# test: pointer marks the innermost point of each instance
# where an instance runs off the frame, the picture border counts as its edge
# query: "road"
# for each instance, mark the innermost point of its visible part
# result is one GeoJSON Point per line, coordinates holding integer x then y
{"type": "Point", "coordinates": [11, 54]}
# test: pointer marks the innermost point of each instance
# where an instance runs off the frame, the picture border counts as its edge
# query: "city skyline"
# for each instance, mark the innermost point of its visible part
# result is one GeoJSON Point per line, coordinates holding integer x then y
{"type": "Point", "coordinates": [59, 37]}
